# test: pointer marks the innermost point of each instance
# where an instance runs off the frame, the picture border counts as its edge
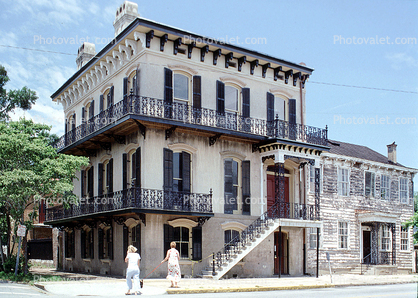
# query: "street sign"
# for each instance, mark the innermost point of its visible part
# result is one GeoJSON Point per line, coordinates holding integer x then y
{"type": "Point", "coordinates": [21, 230]}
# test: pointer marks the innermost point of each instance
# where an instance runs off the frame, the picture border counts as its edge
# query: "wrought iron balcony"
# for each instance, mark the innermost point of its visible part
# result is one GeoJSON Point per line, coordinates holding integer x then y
{"type": "Point", "coordinates": [136, 198]}
{"type": "Point", "coordinates": [184, 114]}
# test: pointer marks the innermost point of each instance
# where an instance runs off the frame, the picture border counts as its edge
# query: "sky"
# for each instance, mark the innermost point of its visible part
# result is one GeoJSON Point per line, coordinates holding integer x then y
{"type": "Point", "coordinates": [365, 55]}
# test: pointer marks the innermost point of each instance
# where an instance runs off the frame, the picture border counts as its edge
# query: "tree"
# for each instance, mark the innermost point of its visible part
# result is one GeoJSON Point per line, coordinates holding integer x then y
{"type": "Point", "coordinates": [413, 221]}
{"type": "Point", "coordinates": [31, 170]}
{"type": "Point", "coordinates": [22, 98]}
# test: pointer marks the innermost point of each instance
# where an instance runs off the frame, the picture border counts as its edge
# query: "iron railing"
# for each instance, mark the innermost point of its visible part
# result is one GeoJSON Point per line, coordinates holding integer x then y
{"type": "Point", "coordinates": [278, 210]}
{"type": "Point", "coordinates": [184, 113]}
{"type": "Point", "coordinates": [148, 199]}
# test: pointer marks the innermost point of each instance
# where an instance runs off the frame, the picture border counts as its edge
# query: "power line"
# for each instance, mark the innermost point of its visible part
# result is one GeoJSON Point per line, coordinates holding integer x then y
{"type": "Point", "coordinates": [1, 45]}
{"type": "Point", "coordinates": [313, 82]}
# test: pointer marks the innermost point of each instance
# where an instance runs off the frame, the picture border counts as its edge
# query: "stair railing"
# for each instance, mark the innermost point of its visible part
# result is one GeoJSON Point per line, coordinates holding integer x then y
{"type": "Point", "coordinates": [362, 261]}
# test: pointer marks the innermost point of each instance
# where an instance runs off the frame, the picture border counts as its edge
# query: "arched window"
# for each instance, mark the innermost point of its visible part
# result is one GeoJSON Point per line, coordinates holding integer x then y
{"type": "Point", "coordinates": [181, 84]}
{"type": "Point", "coordinates": [232, 98]}
{"type": "Point", "coordinates": [87, 243]}
{"type": "Point", "coordinates": [237, 196]}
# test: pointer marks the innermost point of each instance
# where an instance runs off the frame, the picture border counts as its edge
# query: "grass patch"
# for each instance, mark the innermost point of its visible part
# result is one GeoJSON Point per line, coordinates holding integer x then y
{"type": "Point", "coordinates": [20, 277]}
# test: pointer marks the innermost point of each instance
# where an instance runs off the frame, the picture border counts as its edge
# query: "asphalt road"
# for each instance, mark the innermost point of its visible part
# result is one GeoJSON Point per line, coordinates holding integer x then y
{"type": "Point", "coordinates": [9, 290]}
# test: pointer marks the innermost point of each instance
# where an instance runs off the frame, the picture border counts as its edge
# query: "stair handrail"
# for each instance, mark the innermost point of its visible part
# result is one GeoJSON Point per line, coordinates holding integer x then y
{"type": "Point", "coordinates": [247, 235]}
{"type": "Point", "coordinates": [361, 264]}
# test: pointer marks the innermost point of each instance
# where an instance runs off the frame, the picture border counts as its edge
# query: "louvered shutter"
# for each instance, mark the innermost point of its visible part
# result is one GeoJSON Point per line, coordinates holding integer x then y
{"type": "Point", "coordinates": [138, 167]}
{"type": "Point", "coordinates": [197, 243]}
{"type": "Point", "coordinates": [125, 88]}
{"type": "Point", "coordinates": [168, 92]}
{"type": "Point", "coordinates": [90, 186]}
{"type": "Point", "coordinates": [125, 240]}
{"type": "Point", "coordinates": [100, 180]}
{"type": "Point", "coordinates": [186, 171]}
{"type": "Point", "coordinates": [91, 109]}
{"type": "Point", "coordinates": [197, 93]}
{"type": "Point", "coordinates": [124, 171]}
{"type": "Point", "coordinates": [270, 107]}
{"type": "Point", "coordinates": [110, 97]}
{"type": "Point", "coordinates": [82, 182]}
{"type": "Point", "coordinates": [91, 239]}
{"type": "Point", "coordinates": [83, 244]}
{"type": "Point", "coordinates": [292, 119]}
{"type": "Point", "coordinates": [101, 243]}
{"type": "Point", "coordinates": [109, 173]}
{"type": "Point", "coordinates": [73, 124]}
{"type": "Point", "coordinates": [220, 97]}
{"type": "Point", "coordinates": [133, 169]}
{"type": "Point", "coordinates": [101, 103]}
{"type": "Point", "coordinates": [83, 115]}
{"type": "Point", "coordinates": [72, 244]}
{"type": "Point", "coordinates": [137, 243]}
{"type": "Point", "coordinates": [168, 169]}
{"type": "Point", "coordinates": [168, 237]}
{"type": "Point", "coordinates": [110, 243]}
{"type": "Point", "coordinates": [246, 193]}
{"type": "Point", "coordinates": [228, 187]}
{"type": "Point", "coordinates": [246, 102]}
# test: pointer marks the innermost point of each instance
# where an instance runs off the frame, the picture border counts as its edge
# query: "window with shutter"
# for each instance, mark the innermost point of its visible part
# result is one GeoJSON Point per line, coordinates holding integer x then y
{"type": "Point", "coordinates": [125, 88]}
{"type": "Point", "coordinates": [197, 93]}
{"type": "Point", "coordinates": [177, 171]}
{"type": "Point", "coordinates": [83, 243]}
{"type": "Point", "coordinates": [168, 169]}
{"type": "Point", "coordinates": [220, 97]}
{"type": "Point", "coordinates": [168, 238]}
{"type": "Point", "coordinates": [168, 92]}
{"type": "Point", "coordinates": [246, 192]}
{"type": "Point", "coordinates": [82, 183]}
{"type": "Point", "coordinates": [138, 167]}
{"type": "Point", "coordinates": [101, 243]}
{"type": "Point", "coordinates": [101, 103]}
{"type": "Point", "coordinates": [90, 182]}
{"type": "Point", "coordinates": [369, 184]}
{"type": "Point", "coordinates": [100, 175]}
{"type": "Point", "coordinates": [197, 243]}
{"type": "Point", "coordinates": [124, 171]}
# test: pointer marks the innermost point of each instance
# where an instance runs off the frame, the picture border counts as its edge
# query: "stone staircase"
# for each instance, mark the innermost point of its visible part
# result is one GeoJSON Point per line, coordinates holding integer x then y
{"type": "Point", "coordinates": [366, 269]}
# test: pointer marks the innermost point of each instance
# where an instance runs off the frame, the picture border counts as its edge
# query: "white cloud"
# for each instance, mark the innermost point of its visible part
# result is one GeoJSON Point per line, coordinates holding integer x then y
{"type": "Point", "coordinates": [402, 60]}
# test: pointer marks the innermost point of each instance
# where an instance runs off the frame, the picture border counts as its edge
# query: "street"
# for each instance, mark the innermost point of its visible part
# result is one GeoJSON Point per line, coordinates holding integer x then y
{"type": "Point", "coordinates": [9, 290]}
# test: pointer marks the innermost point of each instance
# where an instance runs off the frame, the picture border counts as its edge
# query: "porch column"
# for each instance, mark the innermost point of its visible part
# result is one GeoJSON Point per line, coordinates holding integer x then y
{"type": "Point", "coordinates": [279, 188]}
{"type": "Point", "coordinates": [375, 243]}
{"type": "Point", "coordinates": [393, 231]}
{"type": "Point", "coordinates": [317, 193]}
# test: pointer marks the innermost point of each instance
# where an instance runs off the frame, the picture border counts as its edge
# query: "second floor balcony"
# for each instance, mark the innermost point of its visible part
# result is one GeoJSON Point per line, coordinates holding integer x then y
{"type": "Point", "coordinates": [134, 200]}
{"type": "Point", "coordinates": [184, 115]}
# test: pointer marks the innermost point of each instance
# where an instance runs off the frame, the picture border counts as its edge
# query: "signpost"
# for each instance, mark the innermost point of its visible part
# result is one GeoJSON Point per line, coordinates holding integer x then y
{"type": "Point", "coordinates": [21, 231]}
{"type": "Point", "coordinates": [329, 264]}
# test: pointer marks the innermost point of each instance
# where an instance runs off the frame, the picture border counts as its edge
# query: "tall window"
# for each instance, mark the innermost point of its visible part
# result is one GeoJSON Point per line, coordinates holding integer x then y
{"type": "Point", "coordinates": [385, 238]}
{"type": "Point", "coordinates": [106, 243]}
{"type": "Point", "coordinates": [230, 235]}
{"type": "Point", "coordinates": [237, 193]}
{"type": "Point", "coordinates": [280, 108]}
{"type": "Point", "coordinates": [313, 238]}
{"type": "Point", "coordinates": [132, 236]}
{"type": "Point", "coordinates": [177, 168]}
{"type": "Point", "coordinates": [404, 238]}
{"type": "Point", "coordinates": [105, 177]}
{"type": "Point", "coordinates": [181, 87]}
{"type": "Point", "coordinates": [311, 178]}
{"type": "Point", "coordinates": [342, 235]}
{"type": "Point", "coordinates": [188, 240]}
{"type": "Point", "coordinates": [231, 99]}
{"type": "Point", "coordinates": [87, 182]}
{"type": "Point", "coordinates": [87, 244]}
{"type": "Point", "coordinates": [131, 169]}
{"type": "Point", "coordinates": [403, 190]}
{"type": "Point", "coordinates": [69, 244]}
{"type": "Point", "coordinates": [369, 182]}
{"type": "Point", "coordinates": [385, 187]}
{"type": "Point", "coordinates": [343, 184]}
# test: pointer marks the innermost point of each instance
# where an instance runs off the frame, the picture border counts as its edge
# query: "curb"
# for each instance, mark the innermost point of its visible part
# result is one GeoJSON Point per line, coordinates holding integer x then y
{"type": "Point", "coordinates": [246, 289]}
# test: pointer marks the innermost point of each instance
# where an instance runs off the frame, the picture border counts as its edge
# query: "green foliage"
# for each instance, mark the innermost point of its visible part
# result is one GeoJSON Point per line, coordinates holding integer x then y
{"type": "Point", "coordinates": [21, 277]}
{"type": "Point", "coordinates": [413, 221]}
{"type": "Point", "coordinates": [22, 98]}
{"type": "Point", "coordinates": [10, 264]}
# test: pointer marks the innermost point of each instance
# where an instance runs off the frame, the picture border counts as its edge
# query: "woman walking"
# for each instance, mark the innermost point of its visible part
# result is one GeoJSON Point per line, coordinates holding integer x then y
{"type": "Point", "coordinates": [133, 259]}
{"type": "Point", "coordinates": [173, 258]}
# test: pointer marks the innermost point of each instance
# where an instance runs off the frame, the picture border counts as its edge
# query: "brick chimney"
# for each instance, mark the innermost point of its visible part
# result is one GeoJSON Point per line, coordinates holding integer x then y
{"type": "Point", "coordinates": [392, 152]}
{"type": "Point", "coordinates": [85, 53]}
{"type": "Point", "coordinates": [125, 15]}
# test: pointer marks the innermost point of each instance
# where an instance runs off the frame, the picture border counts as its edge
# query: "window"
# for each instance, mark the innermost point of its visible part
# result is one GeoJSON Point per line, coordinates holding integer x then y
{"type": "Point", "coordinates": [311, 178]}
{"type": "Point", "coordinates": [132, 236]}
{"type": "Point", "coordinates": [313, 238]}
{"type": "Point", "coordinates": [385, 187]}
{"type": "Point", "coordinates": [131, 83]}
{"type": "Point", "coordinates": [369, 182]}
{"type": "Point", "coordinates": [404, 238]}
{"type": "Point", "coordinates": [188, 238]}
{"type": "Point", "coordinates": [230, 235]}
{"type": "Point", "coordinates": [234, 100]}
{"type": "Point", "coordinates": [403, 190]}
{"type": "Point", "coordinates": [280, 108]}
{"type": "Point", "coordinates": [131, 169]}
{"type": "Point", "coordinates": [106, 99]}
{"type": "Point", "coordinates": [87, 182]}
{"type": "Point", "coordinates": [231, 99]}
{"type": "Point", "coordinates": [181, 87]}
{"type": "Point", "coordinates": [343, 235]}
{"type": "Point", "coordinates": [69, 244]}
{"type": "Point", "coordinates": [237, 193]}
{"type": "Point", "coordinates": [385, 238]}
{"type": "Point", "coordinates": [87, 244]}
{"type": "Point", "coordinates": [105, 177]}
{"type": "Point", "coordinates": [343, 184]}
{"type": "Point", "coordinates": [106, 243]}
{"type": "Point", "coordinates": [177, 167]}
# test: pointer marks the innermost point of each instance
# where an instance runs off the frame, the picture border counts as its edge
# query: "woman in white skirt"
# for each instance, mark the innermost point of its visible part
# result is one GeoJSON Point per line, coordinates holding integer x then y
{"type": "Point", "coordinates": [173, 257]}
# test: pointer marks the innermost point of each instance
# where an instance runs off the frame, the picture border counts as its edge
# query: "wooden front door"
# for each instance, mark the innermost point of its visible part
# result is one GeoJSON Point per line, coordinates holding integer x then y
{"type": "Point", "coordinates": [271, 190]}
{"type": "Point", "coordinates": [280, 253]}
{"type": "Point", "coordinates": [367, 247]}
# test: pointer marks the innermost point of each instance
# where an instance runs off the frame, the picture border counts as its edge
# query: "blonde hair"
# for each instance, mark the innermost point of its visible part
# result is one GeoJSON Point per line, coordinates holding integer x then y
{"type": "Point", "coordinates": [132, 248]}
{"type": "Point", "coordinates": [173, 244]}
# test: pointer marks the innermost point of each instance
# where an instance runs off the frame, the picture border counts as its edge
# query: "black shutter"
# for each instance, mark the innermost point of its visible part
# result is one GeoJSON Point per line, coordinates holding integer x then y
{"type": "Point", "coordinates": [82, 183]}
{"type": "Point", "coordinates": [137, 243]}
{"type": "Point", "coordinates": [125, 87]}
{"type": "Point", "coordinates": [109, 177]}
{"type": "Point", "coordinates": [91, 239]}
{"type": "Point", "coordinates": [138, 167]}
{"type": "Point", "coordinates": [83, 243]}
{"type": "Point", "coordinates": [110, 243]}
{"type": "Point", "coordinates": [73, 244]}
{"type": "Point", "coordinates": [168, 92]}
{"type": "Point", "coordinates": [186, 171]}
{"type": "Point", "coordinates": [168, 237]}
{"type": "Point", "coordinates": [91, 109]}
{"type": "Point", "coordinates": [228, 187]}
{"type": "Point", "coordinates": [124, 171]}
{"type": "Point", "coordinates": [83, 116]}
{"type": "Point", "coordinates": [168, 169]}
{"type": "Point", "coordinates": [197, 243]}
{"type": "Point", "coordinates": [90, 186]}
{"type": "Point", "coordinates": [133, 169]}
{"type": "Point", "coordinates": [246, 191]}
{"type": "Point", "coordinates": [101, 103]}
{"type": "Point", "coordinates": [73, 124]}
{"type": "Point", "coordinates": [110, 97]}
{"type": "Point", "coordinates": [220, 97]}
{"type": "Point", "coordinates": [66, 125]}
{"type": "Point", "coordinates": [292, 111]}
{"type": "Point", "coordinates": [270, 106]}
{"type": "Point", "coordinates": [101, 240]}
{"type": "Point", "coordinates": [246, 102]}
{"type": "Point", "coordinates": [125, 240]}
{"type": "Point", "coordinates": [100, 180]}
{"type": "Point", "coordinates": [197, 93]}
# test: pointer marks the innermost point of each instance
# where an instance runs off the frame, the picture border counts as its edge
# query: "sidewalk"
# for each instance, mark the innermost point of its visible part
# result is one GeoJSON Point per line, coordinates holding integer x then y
{"type": "Point", "coordinates": [75, 284]}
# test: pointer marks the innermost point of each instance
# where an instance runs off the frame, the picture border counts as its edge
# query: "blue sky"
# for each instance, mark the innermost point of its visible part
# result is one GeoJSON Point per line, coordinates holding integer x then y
{"type": "Point", "coordinates": [357, 43]}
